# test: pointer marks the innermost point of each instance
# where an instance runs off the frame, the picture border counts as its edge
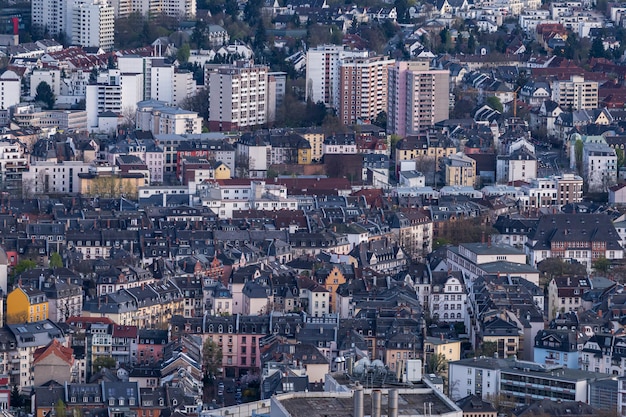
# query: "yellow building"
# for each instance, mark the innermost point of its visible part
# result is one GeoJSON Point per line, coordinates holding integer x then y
{"type": "Point", "coordinates": [504, 333]}
{"type": "Point", "coordinates": [460, 170]}
{"type": "Point", "coordinates": [304, 156]}
{"type": "Point", "coordinates": [222, 172]}
{"type": "Point", "coordinates": [111, 185]}
{"type": "Point", "coordinates": [450, 349]}
{"type": "Point", "coordinates": [423, 149]}
{"type": "Point", "coordinates": [315, 137]}
{"type": "Point", "coordinates": [331, 279]}
{"type": "Point", "coordinates": [26, 305]}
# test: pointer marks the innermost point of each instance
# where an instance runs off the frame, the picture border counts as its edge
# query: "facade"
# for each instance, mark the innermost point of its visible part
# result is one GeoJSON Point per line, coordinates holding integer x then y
{"type": "Point", "coordinates": [161, 119]}
{"type": "Point", "coordinates": [599, 166]}
{"type": "Point", "coordinates": [448, 297]}
{"type": "Point", "coordinates": [323, 65]}
{"type": "Point", "coordinates": [26, 305]}
{"type": "Point", "coordinates": [575, 93]}
{"type": "Point", "coordinates": [580, 237]}
{"type": "Point", "coordinates": [519, 382]}
{"type": "Point", "coordinates": [363, 88]}
{"type": "Point", "coordinates": [556, 190]}
{"type": "Point", "coordinates": [92, 24]}
{"type": "Point", "coordinates": [237, 95]}
{"type": "Point", "coordinates": [13, 163]}
{"type": "Point", "coordinates": [557, 347]}
{"type": "Point", "coordinates": [45, 177]}
{"type": "Point", "coordinates": [174, 8]}
{"type": "Point", "coordinates": [10, 88]}
{"type": "Point", "coordinates": [460, 170]}
{"type": "Point", "coordinates": [114, 91]}
{"type": "Point", "coordinates": [417, 97]}
{"type": "Point", "coordinates": [169, 85]}
{"type": "Point", "coordinates": [565, 295]}
{"type": "Point", "coordinates": [520, 165]}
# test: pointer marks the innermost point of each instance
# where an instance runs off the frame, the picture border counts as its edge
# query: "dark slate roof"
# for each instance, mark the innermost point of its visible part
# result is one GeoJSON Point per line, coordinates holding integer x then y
{"type": "Point", "coordinates": [574, 228]}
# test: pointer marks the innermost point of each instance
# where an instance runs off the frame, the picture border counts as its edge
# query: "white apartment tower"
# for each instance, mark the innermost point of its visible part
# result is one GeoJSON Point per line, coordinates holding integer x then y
{"type": "Point", "coordinates": [114, 92]}
{"type": "Point", "coordinates": [88, 23]}
{"type": "Point", "coordinates": [575, 93]}
{"type": "Point", "coordinates": [174, 8]}
{"type": "Point", "coordinates": [363, 88]}
{"type": "Point", "coordinates": [237, 95]}
{"type": "Point", "coordinates": [50, 16]}
{"type": "Point", "coordinates": [417, 97]}
{"type": "Point", "coordinates": [10, 85]}
{"type": "Point", "coordinates": [322, 72]}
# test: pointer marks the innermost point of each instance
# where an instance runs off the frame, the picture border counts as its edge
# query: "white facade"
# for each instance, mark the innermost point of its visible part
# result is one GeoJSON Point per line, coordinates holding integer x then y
{"type": "Point", "coordinates": [115, 92]}
{"type": "Point", "coordinates": [51, 177]}
{"type": "Point", "coordinates": [319, 305]}
{"type": "Point", "coordinates": [10, 85]}
{"type": "Point", "coordinates": [575, 93]}
{"type": "Point", "coordinates": [158, 118]}
{"type": "Point", "coordinates": [237, 95]}
{"type": "Point", "coordinates": [50, 15]}
{"type": "Point", "coordinates": [599, 166]}
{"type": "Point", "coordinates": [322, 73]}
{"type": "Point", "coordinates": [50, 76]}
{"type": "Point", "coordinates": [92, 24]}
{"type": "Point", "coordinates": [448, 301]}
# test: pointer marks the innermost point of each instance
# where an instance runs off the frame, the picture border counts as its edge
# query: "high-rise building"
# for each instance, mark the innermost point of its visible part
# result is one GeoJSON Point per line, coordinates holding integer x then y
{"type": "Point", "coordinates": [363, 88]}
{"type": "Point", "coordinates": [88, 23]}
{"type": "Point", "coordinates": [418, 97]}
{"type": "Point", "coordinates": [322, 72]}
{"type": "Point", "coordinates": [10, 85]}
{"type": "Point", "coordinates": [114, 92]}
{"type": "Point", "coordinates": [575, 93]}
{"type": "Point", "coordinates": [237, 95]}
{"type": "Point", "coordinates": [174, 8]}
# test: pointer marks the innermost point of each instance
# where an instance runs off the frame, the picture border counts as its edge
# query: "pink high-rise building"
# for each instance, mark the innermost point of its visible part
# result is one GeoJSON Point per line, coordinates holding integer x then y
{"type": "Point", "coordinates": [417, 97]}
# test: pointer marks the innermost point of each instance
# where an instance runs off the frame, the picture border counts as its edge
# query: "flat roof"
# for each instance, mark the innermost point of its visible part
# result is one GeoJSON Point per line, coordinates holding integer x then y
{"type": "Point", "coordinates": [491, 249]}
{"type": "Point", "coordinates": [331, 404]}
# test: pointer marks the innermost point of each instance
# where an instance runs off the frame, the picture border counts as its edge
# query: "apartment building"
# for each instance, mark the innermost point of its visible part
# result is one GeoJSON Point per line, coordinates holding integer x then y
{"type": "Point", "coordinates": [114, 91]}
{"type": "Point", "coordinates": [599, 166]}
{"type": "Point", "coordinates": [323, 65]}
{"type": "Point", "coordinates": [459, 170]}
{"type": "Point", "coordinates": [13, 163]}
{"type": "Point", "coordinates": [174, 8]}
{"type": "Point", "coordinates": [50, 15]}
{"type": "Point", "coordinates": [169, 85]}
{"type": "Point", "coordinates": [92, 24]}
{"type": "Point", "coordinates": [237, 95]}
{"type": "Point", "coordinates": [417, 97]}
{"type": "Point", "coordinates": [51, 177]}
{"type": "Point", "coordinates": [161, 119]}
{"type": "Point", "coordinates": [10, 86]}
{"type": "Point", "coordinates": [556, 190]}
{"type": "Point", "coordinates": [519, 382]}
{"type": "Point", "coordinates": [580, 237]}
{"type": "Point", "coordinates": [575, 93]}
{"type": "Point", "coordinates": [363, 88]}
{"type": "Point", "coordinates": [50, 76]}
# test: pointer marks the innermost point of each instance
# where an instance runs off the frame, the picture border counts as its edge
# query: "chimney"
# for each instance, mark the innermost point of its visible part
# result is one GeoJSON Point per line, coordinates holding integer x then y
{"type": "Point", "coordinates": [358, 401]}
{"type": "Point", "coordinates": [393, 403]}
{"type": "Point", "coordinates": [377, 400]}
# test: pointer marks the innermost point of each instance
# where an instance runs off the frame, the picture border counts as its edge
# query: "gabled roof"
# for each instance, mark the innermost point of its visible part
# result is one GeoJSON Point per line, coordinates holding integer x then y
{"type": "Point", "coordinates": [54, 348]}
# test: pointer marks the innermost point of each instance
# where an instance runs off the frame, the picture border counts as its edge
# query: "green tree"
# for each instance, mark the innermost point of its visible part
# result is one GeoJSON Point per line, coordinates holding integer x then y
{"type": "Point", "coordinates": [17, 400]}
{"type": "Point", "coordinates": [55, 260]}
{"type": "Point", "coordinates": [436, 364]}
{"type": "Point", "coordinates": [211, 360]}
{"type": "Point", "coordinates": [578, 153]}
{"type": "Point", "coordinates": [381, 120]}
{"type": "Point", "coordinates": [495, 103]}
{"type": "Point", "coordinates": [602, 264]}
{"type": "Point", "coordinates": [471, 44]}
{"type": "Point", "coordinates": [103, 362]}
{"type": "Point", "coordinates": [45, 95]}
{"type": "Point", "coordinates": [59, 408]}
{"type": "Point", "coordinates": [24, 265]}
{"type": "Point", "coordinates": [597, 48]}
{"type": "Point", "coordinates": [183, 53]}
{"type": "Point", "coordinates": [488, 349]}
{"type": "Point", "coordinates": [620, 157]}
